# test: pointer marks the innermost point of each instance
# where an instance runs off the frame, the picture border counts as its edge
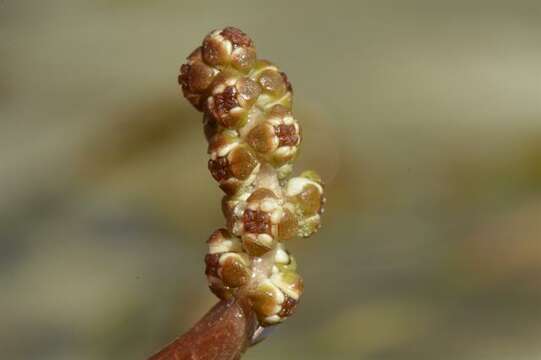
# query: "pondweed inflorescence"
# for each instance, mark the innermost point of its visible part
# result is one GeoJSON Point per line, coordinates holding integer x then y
{"type": "Point", "coordinates": [253, 140]}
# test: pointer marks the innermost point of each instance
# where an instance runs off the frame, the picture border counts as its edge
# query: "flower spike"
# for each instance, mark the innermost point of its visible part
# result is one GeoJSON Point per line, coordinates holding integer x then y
{"type": "Point", "coordinates": [253, 141]}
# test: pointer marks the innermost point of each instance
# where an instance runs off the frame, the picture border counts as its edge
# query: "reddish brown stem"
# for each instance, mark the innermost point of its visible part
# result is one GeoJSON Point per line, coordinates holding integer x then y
{"type": "Point", "coordinates": [223, 333]}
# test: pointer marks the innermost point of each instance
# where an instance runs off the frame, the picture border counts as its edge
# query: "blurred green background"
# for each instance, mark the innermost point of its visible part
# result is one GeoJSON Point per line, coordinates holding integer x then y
{"type": "Point", "coordinates": [424, 118]}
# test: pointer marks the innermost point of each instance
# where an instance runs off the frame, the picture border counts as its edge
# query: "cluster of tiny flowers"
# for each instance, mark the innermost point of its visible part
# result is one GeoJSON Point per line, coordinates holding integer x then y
{"type": "Point", "coordinates": [253, 140]}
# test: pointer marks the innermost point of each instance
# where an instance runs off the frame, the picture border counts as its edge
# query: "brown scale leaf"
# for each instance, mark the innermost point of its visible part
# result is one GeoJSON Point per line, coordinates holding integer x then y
{"type": "Point", "coordinates": [234, 273]}
{"type": "Point", "coordinates": [261, 138]}
{"type": "Point", "coordinates": [242, 163]}
{"type": "Point", "coordinates": [214, 52]}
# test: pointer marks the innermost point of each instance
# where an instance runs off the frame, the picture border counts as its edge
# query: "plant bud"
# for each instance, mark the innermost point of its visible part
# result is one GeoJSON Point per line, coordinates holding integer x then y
{"type": "Point", "coordinates": [234, 269]}
{"type": "Point", "coordinates": [277, 138]}
{"type": "Point", "coordinates": [231, 101]}
{"type": "Point", "coordinates": [195, 78]}
{"type": "Point", "coordinates": [305, 192]}
{"type": "Point", "coordinates": [267, 300]}
{"type": "Point", "coordinates": [233, 165]}
{"type": "Point", "coordinates": [261, 216]}
{"type": "Point", "coordinates": [227, 267]}
{"type": "Point", "coordinates": [229, 46]}
{"type": "Point", "coordinates": [276, 89]}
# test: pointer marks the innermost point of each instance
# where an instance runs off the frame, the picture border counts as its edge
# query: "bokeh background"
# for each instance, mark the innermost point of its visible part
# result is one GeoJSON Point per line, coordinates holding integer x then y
{"type": "Point", "coordinates": [424, 118]}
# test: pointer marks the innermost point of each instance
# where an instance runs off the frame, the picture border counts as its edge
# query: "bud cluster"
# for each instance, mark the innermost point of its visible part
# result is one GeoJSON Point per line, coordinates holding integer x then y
{"type": "Point", "coordinates": [253, 140]}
